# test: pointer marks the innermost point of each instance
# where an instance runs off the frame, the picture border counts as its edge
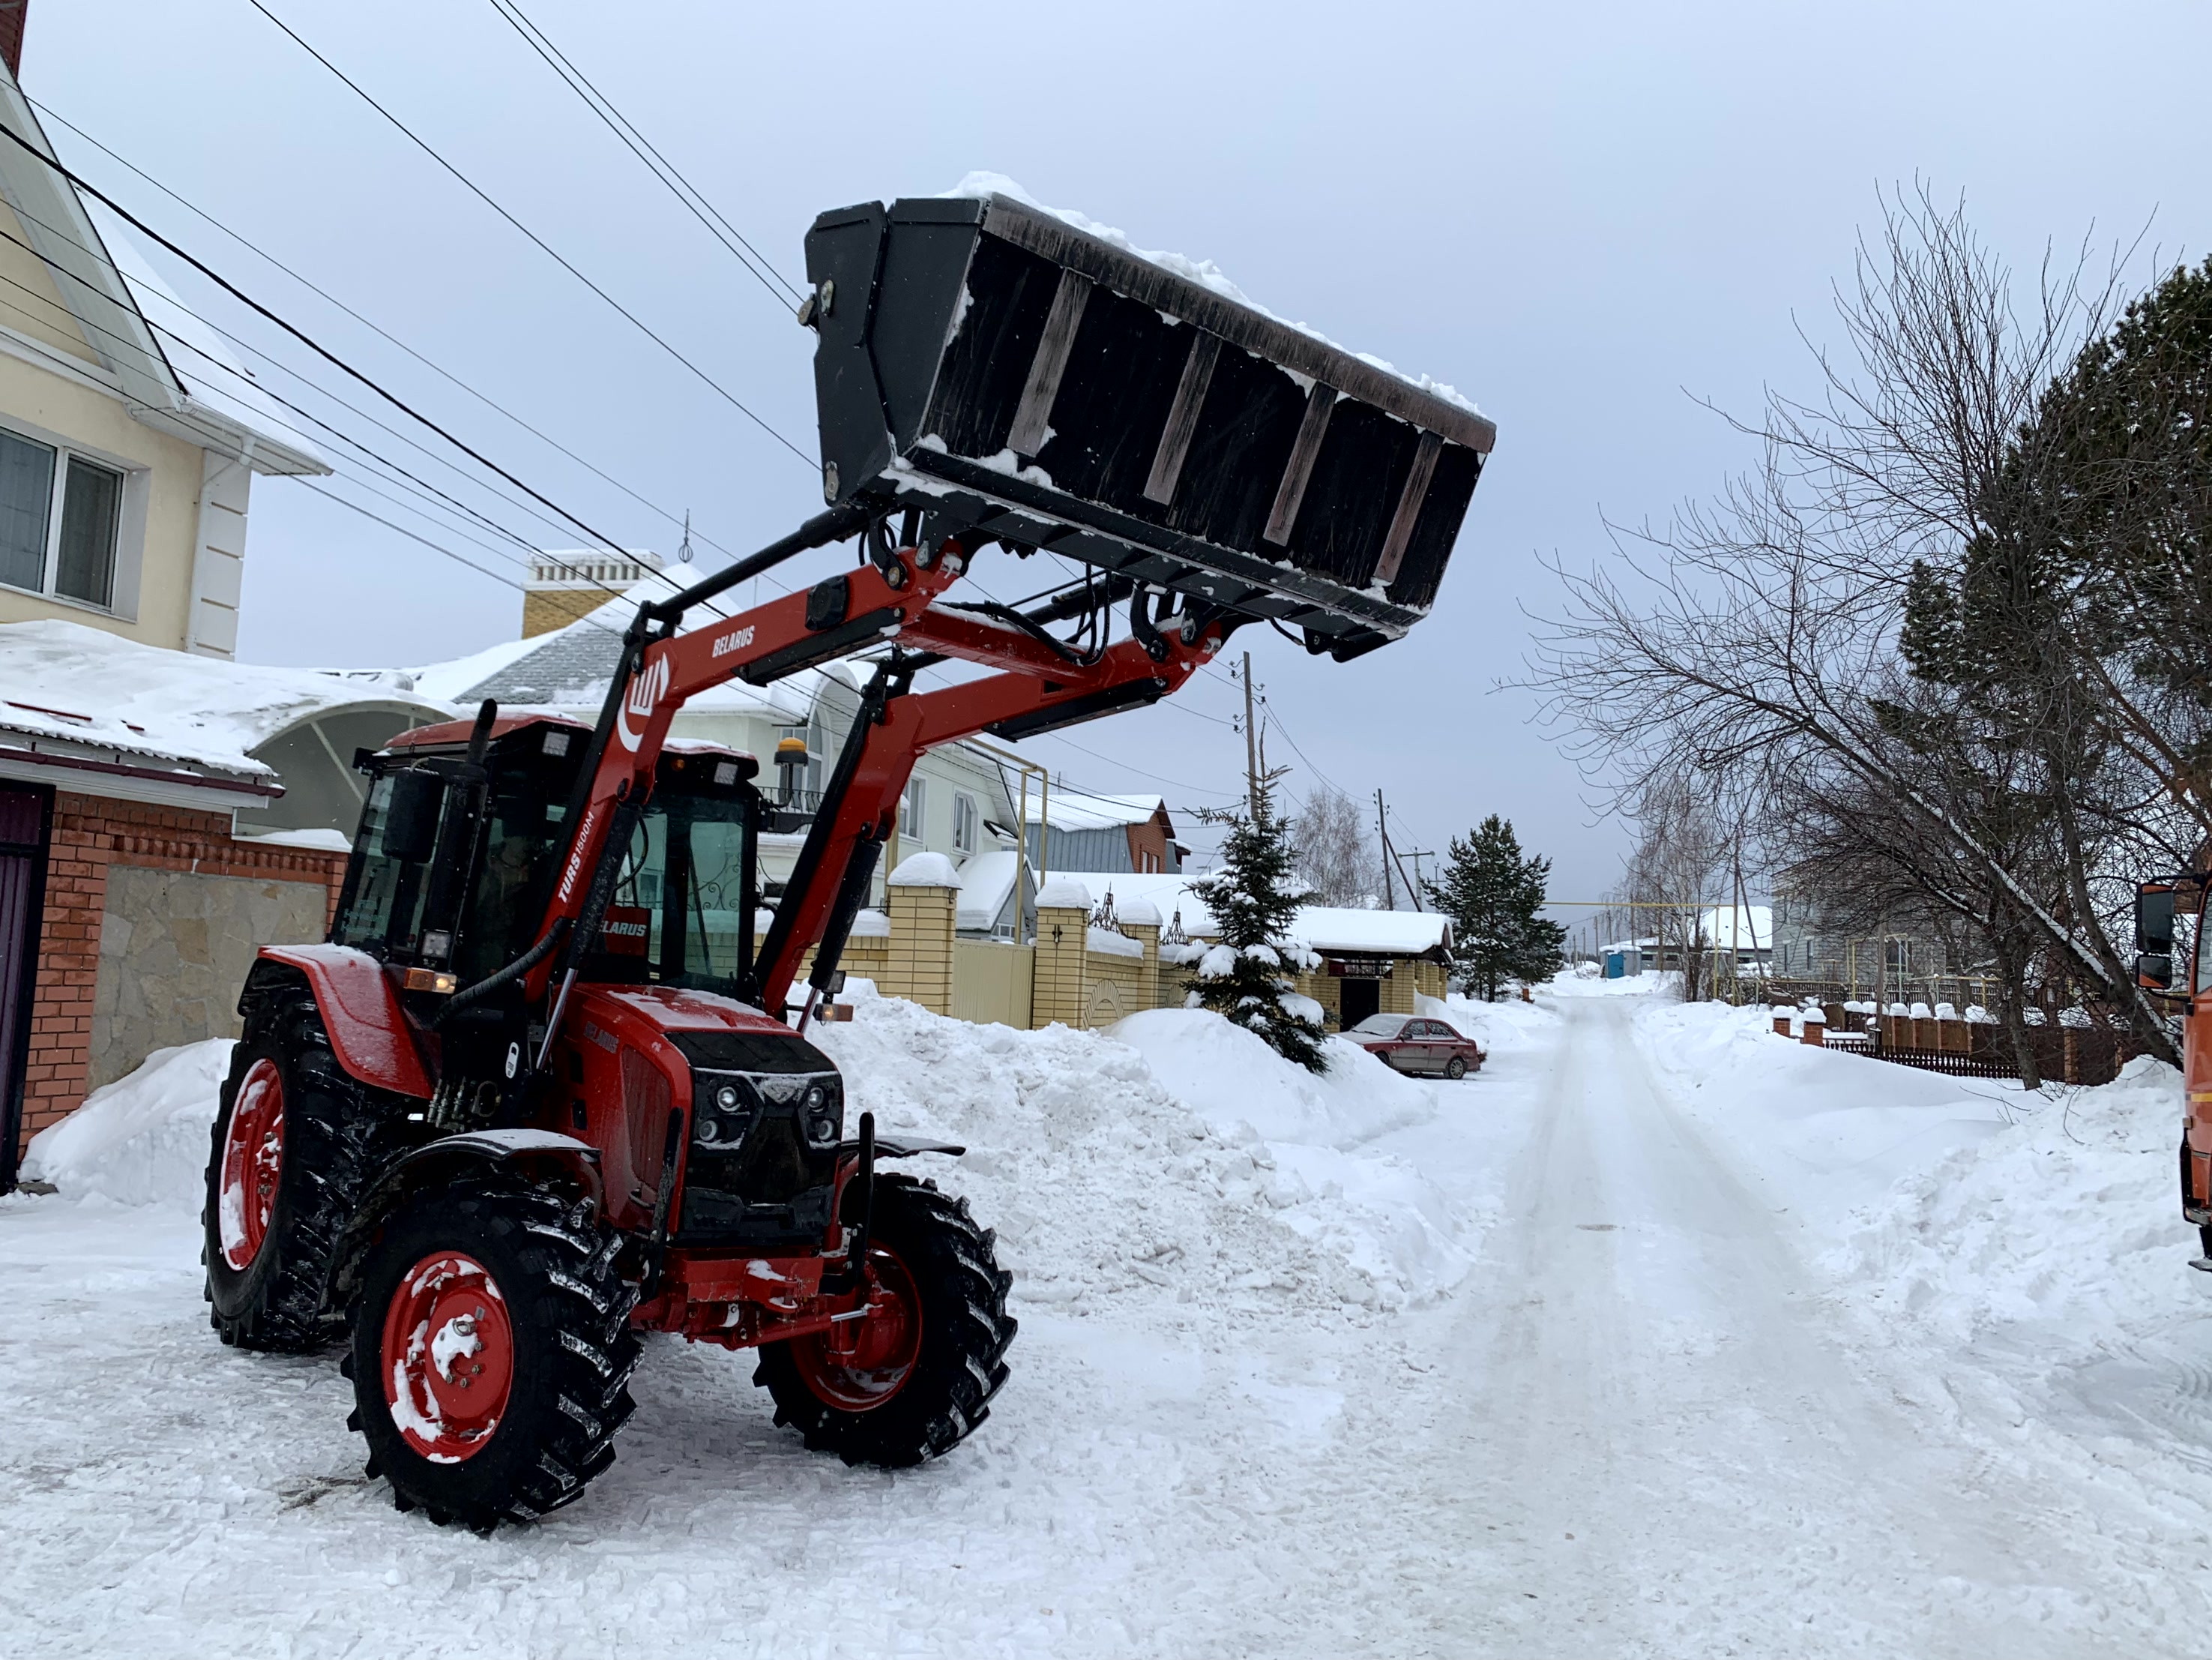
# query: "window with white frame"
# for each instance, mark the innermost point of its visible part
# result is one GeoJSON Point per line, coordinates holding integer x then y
{"type": "Point", "coordinates": [59, 513]}
{"type": "Point", "coordinates": [910, 810]}
{"type": "Point", "coordinates": [967, 817]}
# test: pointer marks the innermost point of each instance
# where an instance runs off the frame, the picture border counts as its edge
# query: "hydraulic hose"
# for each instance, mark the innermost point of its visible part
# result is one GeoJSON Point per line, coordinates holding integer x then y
{"type": "Point", "coordinates": [468, 996]}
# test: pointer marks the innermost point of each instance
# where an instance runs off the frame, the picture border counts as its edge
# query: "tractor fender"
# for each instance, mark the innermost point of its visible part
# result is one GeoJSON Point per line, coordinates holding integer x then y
{"type": "Point", "coordinates": [545, 1158]}
{"type": "Point", "coordinates": [369, 1032]}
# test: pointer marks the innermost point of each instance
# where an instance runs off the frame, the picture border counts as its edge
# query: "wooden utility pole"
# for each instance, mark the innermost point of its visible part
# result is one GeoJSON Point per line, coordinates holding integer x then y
{"type": "Point", "coordinates": [1251, 746]}
{"type": "Point", "coordinates": [1383, 848]}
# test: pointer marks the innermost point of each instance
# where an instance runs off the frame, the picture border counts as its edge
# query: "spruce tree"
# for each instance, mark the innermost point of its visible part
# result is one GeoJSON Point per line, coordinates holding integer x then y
{"type": "Point", "coordinates": [1493, 896]}
{"type": "Point", "coordinates": [1248, 977]}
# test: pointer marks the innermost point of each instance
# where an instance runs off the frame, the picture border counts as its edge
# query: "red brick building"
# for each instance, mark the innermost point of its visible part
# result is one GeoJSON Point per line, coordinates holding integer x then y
{"type": "Point", "coordinates": [163, 816]}
{"type": "Point", "coordinates": [76, 841]}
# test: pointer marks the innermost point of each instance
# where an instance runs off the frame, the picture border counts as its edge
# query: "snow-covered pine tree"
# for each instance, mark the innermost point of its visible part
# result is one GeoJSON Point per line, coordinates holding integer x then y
{"type": "Point", "coordinates": [1492, 894]}
{"type": "Point", "coordinates": [1247, 977]}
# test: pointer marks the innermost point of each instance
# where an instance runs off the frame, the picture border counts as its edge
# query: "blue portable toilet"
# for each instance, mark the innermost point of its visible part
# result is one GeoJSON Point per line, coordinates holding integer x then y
{"type": "Point", "coordinates": [1616, 965]}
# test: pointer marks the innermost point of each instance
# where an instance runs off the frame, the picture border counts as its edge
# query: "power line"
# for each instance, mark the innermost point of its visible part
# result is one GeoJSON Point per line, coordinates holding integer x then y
{"type": "Point", "coordinates": [658, 165]}
{"type": "Point", "coordinates": [161, 361]}
{"type": "Point", "coordinates": [299, 334]}
{"type": "Point", "coordinates": [481, 195]}
{"type": "Point", "coordinates": [387, 336]}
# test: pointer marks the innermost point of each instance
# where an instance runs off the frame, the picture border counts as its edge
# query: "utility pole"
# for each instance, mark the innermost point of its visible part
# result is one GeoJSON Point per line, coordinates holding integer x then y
{"type": "Point", "coordinates": [1383, 841]}
{"type": "Point", "coordinates": [1251, 747]}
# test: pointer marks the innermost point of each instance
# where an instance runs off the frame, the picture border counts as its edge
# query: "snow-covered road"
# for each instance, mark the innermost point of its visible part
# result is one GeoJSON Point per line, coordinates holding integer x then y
{"type": "Point", "coordinates": [1558, 1361]}
{"type": "Point", "coordinates": [1678, 1443]}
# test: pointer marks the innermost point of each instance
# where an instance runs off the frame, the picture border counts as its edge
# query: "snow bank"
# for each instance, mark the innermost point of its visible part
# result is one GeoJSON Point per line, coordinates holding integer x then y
{"type": "Point", "coordinates": [1371, 1209]}
{"type": "Point", "coordinates": [1177, 1153]}
{"type": "Point", "coordinates": [141, 1140]}
{"type": "Point", "coordinates": [2069, 1215]}
{"type": "Point", "coordinates": [1500, 1027]}
{"type": "Point", "coordinates": [1828, 1129]}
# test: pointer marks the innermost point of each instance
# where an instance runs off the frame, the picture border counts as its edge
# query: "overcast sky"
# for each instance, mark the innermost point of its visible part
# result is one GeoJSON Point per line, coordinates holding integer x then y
{"type": "Point", "coordinates": [1580, 215]}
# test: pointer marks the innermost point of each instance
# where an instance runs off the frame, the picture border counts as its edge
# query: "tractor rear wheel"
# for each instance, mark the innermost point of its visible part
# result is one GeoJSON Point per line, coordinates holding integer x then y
{"type": "Point", "coordinates": [491, 1352]}
{"type": "Point", "coordinates": [916, 1377]}
{"type": "Point", "coordinates": [293, 1148]}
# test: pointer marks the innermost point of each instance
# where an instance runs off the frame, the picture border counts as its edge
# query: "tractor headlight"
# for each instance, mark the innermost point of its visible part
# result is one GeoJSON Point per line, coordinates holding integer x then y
{"type": "Point", "coordinates": [728, 1100]}
{"type": "Point", "coordinates": [818, 1108]}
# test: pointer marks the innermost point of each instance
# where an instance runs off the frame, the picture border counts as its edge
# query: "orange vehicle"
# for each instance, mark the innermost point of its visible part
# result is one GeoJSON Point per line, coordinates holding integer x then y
{"type": "Point", "coordinates": [2190, 983]}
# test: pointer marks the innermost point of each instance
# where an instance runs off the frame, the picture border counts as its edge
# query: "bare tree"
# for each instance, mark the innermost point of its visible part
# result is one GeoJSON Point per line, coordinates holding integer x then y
{"type": "Point", "coordinates": [1680, 852]}
{"type": "Point", "coordinates": [1336, 855]}
{"type": "Point", "coordinates": [1759, 641]}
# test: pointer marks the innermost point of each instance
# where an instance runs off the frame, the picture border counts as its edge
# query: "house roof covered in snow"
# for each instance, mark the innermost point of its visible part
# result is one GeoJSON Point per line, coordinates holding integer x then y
{"type": "Point", "coordinates": [1073, 809]}
{"type": "Point", "coordinates": [176, 371]}
{"type": "Point", "coordinates": [569, 668]}
{"type": "Point", "coordinates": [1373, 933]}
{"type": "Point", "coordinates": [69, 691]}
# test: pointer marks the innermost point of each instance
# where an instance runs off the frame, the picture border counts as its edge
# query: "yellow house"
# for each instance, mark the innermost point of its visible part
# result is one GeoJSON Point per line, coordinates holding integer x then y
{"type": "Point", "coordinates": [128, 438]}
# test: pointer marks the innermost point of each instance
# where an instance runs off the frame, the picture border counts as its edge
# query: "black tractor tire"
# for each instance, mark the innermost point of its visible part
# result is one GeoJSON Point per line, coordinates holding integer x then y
{"type": "Point", "coordinates": [965, 1331]}
{"type": "Point", "coordinates": [567, 1315]}
{"type": "Point", "coordinates": [1455, 1069]}
{"type": "Point", "coordinates": [333, 1129]}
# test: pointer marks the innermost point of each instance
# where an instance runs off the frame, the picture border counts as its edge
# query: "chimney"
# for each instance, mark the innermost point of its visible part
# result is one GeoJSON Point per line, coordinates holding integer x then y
{"type": "Point", "coordinates": [11, 34]}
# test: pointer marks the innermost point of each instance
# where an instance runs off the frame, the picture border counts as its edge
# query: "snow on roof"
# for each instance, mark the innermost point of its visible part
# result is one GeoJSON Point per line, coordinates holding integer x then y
{"type": "Point", "coordinates": [1382, 933]}
{"type": "Point", "coordinates": [567, 668]}
{"type": "Point", "coordinates": [1071, 810]}
{"type": "Point", "coordinates": [203, 360]}
{"type": "Point", "coordinates": [986, 881]}
{"type": "Point", "coordinates": [63, 680]}
{"type": "Point", "coordinates": [981, 186]}
{"type": "Point", "coordinates": [1740, 927]}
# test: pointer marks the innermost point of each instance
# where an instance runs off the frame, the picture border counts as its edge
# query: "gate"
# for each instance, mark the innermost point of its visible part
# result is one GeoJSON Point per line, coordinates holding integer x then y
{"type": "Point", "coordinates": [26, 817]}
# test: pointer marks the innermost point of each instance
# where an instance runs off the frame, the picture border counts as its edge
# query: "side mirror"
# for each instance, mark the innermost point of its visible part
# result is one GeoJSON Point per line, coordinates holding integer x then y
{"type": "Point", "coordinates": [2154, 917]}
{"type": "Point", "coordinates": [2154, 970]}
{"type": "Point", "coordinates": [411, 821]}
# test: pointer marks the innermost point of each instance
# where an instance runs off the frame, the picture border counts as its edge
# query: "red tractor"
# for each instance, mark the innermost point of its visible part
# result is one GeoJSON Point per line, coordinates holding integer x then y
{"type": "Point", "coordinates": [540, 1092]}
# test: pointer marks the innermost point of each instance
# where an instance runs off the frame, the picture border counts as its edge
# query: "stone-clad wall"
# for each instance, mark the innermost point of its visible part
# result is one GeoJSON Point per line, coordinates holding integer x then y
{"type": "Point", "coordinates": [174, 948]}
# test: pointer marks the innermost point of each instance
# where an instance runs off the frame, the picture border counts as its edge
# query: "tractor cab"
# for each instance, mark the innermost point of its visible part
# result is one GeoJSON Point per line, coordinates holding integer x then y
{"type": "Point", "coordinates": [455, 861]}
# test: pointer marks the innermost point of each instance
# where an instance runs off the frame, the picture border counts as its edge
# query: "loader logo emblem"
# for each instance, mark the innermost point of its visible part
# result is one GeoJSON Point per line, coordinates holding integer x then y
{"type": "Point", "coordinates": [644, 696]}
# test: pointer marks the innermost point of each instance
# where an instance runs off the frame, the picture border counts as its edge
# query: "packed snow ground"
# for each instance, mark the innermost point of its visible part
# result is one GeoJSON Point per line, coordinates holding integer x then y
{"type": "Point", "coordinates": [1661, 1336]}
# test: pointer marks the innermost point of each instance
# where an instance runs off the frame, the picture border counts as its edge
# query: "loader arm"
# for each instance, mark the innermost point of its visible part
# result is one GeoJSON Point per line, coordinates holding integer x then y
{"type": "Point", "coordinates": [1037, 686]}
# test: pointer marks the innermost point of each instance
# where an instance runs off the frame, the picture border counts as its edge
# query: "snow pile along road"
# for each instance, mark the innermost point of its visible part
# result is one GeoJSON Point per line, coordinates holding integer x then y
{"type": "Point", "coordinates": [1359, 1204]}
{"type": "Point", "coordinates": [1176, 1151]}
{"type": "Point", "coordinates": [2070, 1215]}
{"type": "Point", "coordinates": [141, 1140]}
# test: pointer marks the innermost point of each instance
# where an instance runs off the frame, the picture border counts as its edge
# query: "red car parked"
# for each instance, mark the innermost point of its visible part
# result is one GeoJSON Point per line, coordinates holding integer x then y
{"type": "Point", "coordinates": [1417, 1043]}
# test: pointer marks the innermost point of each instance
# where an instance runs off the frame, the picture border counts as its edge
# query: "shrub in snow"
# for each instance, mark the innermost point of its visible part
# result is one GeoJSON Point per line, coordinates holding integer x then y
{"type": "Point", "coordinates": [1248, 977]}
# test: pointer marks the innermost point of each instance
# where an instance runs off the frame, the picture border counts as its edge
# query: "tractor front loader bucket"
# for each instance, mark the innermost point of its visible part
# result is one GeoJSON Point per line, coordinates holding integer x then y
{"type": "Point", "coordinates": [1012, 375]}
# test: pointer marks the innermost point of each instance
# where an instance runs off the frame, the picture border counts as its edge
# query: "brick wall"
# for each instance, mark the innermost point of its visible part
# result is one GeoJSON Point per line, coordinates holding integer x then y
{"type": "Point", "coordinates": [92, 834]}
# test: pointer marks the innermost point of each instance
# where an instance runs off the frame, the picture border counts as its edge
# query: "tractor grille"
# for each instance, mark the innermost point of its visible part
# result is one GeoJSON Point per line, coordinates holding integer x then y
{"type": "Point", "coordinates": [766, 1116]}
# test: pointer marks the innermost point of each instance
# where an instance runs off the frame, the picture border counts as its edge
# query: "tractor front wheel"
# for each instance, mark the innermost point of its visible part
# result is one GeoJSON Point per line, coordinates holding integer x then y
{"type": "Point", "coordinates": [491, 1353]}
{"type": "Point", "coordinates": [296, 1141]}
{"type": "Point", "coordinates": [917, 1376]}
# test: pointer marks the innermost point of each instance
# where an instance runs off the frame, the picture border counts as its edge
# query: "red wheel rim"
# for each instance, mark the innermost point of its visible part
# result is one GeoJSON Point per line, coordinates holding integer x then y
{"type": "Point", "coordinates": [449, 1357]}
{"type": "Point", "coordinates": [861, 1364]}
{"type": "Point", "coordinates": [252, 1160]}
